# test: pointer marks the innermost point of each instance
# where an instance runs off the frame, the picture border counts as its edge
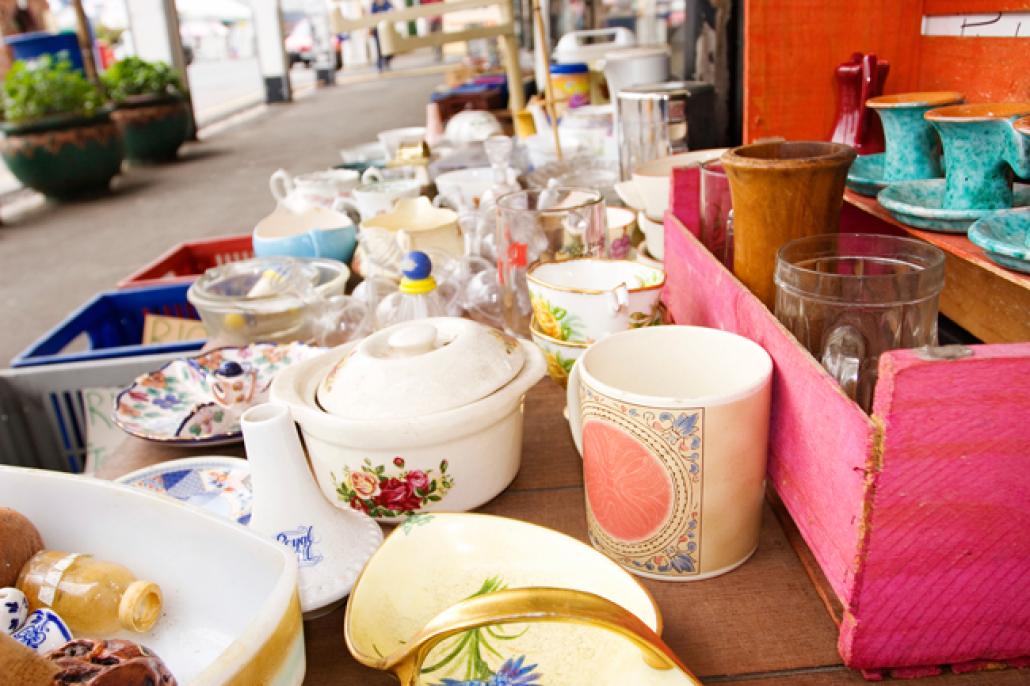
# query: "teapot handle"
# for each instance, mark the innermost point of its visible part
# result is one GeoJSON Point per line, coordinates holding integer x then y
{"type": "Point", "coordinates": [372, 175]}
{"type": "Point", "coordinates": [572, 405]}
{"type": "Point", "coordinates": [349, 207]}
{"type": "Point", "coordinates": [280, 184]}
{"type": "Point", "coordinates": [534, 604]}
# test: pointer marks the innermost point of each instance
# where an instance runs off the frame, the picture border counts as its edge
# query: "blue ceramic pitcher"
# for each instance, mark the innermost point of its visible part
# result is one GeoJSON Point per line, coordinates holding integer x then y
{"type": "Point", "coordinates": [912, 148]}
{"type": "Point", "coordinates": [982, 152]}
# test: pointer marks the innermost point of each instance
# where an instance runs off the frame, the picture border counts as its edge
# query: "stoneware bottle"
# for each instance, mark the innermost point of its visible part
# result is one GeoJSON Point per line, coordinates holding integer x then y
{"type": "Point", "coordinates": [781, 191]}
{"type": "Point", "coordinates": [331, 544]}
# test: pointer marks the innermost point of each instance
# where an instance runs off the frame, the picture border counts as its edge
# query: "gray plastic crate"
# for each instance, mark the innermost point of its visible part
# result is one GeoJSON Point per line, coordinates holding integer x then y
{"type": "Point", "coordinates": [42, 413]}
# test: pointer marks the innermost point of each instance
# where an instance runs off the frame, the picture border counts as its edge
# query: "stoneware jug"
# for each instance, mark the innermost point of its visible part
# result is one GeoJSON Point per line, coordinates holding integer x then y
{"type": "Point", "coordinates": [982, 151]}
{"type": "Point", "coordinates": [781, 191]}
{"type": "Point", "coordinates": [913, 150]}
{"type": "Point", "coordinates": [331, 544]}
{"type": "Point", "coordinates": [860, 78]}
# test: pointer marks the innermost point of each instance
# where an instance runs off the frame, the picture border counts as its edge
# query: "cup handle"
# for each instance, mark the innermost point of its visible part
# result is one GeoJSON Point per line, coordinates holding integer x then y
{"type": "Point", "coordinates": [534, 604]}
{"type": "Point", "coordinates": [843, 353]}
{"type": "Point", "coordinates": [572, 406]}
{"type": "Point", "coordinates": [372, 175]}
{"type": "Point", "coordinates": [349, 207]}
{"type": "Point", "coordinates": [280, 184]}
{"type": "Point", "coordinates": [618, 298]}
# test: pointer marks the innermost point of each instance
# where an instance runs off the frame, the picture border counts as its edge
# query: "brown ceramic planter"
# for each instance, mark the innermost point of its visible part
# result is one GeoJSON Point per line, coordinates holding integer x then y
{"type": "Point", "coordinates": [781, 191]}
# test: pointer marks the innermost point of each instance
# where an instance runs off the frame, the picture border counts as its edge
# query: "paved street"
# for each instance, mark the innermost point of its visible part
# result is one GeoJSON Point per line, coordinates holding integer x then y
{"type": "Point", "coordinates": [219, 88]}
{"type": "Point", "coordinates": [54, 258]}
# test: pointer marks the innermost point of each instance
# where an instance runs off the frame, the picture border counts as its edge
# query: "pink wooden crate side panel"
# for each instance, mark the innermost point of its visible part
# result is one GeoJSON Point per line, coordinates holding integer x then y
{"type": "Point", "coordinates": [946, 571]}
{"type": "Point", "coordinates": [685, 197]}
{"type": "Point", "coordinates": [819, 439]}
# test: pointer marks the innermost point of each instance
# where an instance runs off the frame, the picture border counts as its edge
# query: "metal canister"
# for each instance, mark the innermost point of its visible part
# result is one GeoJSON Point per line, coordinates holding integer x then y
{"type": "Point", "coordinates": [659, 119]}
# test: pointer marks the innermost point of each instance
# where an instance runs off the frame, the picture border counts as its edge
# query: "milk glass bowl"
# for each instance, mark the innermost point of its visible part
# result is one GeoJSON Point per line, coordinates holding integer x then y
{"type": "Point", "coordinates": [265, 299]}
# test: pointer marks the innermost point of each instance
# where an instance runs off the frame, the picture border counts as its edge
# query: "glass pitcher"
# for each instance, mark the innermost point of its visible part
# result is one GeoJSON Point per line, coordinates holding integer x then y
{"type": "Point", "coordinates": [849, 297]}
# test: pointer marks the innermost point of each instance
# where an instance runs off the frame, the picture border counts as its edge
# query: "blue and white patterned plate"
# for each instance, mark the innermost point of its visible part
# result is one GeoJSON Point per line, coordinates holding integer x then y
{"type": "Point", "coordinates": [1005, 237]}
{"type": "Point", "coordinates": [219, 485]}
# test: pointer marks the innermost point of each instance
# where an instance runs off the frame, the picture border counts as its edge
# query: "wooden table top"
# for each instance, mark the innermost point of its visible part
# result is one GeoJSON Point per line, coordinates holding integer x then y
{"type": "Point", "coordinates": [763, 624]}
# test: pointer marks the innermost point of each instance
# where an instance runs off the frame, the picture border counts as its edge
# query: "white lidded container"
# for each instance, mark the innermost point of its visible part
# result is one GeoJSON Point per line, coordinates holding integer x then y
{"type": "Point", "coordinates": [424, 415]}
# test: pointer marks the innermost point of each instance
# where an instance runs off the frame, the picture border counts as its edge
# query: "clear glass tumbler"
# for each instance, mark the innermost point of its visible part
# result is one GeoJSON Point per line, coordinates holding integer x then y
{"type": "Point", "coordinates": [549, 224]}
{"type": "Point", "coordinates": [717, 212]}
{"type": "Point", "coordinates": [848, 297]}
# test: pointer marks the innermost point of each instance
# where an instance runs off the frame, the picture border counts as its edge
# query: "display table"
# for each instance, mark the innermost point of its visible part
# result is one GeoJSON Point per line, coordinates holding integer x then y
{"type": "Point", "coordinates": [762, 625]}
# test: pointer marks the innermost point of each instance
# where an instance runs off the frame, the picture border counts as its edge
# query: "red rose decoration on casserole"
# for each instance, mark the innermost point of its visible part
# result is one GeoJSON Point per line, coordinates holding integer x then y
{"type": "Point", "coordinates": [397, 495]}
{"type": "Point", "coordinates": [418, 480]}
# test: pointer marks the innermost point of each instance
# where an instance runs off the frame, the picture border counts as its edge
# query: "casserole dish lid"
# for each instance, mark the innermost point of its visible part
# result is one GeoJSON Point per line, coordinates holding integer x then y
{"type": "Point", "coordinates": [420, 367]}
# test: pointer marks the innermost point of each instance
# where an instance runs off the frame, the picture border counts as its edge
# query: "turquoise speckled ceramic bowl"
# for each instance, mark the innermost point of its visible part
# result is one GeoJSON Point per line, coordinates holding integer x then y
{"type": "Point", "coordinates": [865, 176]}
{"type": "Point", "coordinates": [921, 204]}
{"type": "Point", "coordinates": [1005, 237]}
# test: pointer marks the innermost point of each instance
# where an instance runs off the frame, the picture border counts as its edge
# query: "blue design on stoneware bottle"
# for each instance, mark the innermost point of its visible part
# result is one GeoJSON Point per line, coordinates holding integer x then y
{"type": "Point", "coordinates": [302, 542]}
{"type": "Point", "coordinates": [14, 608]}
{"type": "Point", "coordinates": [44, 630]}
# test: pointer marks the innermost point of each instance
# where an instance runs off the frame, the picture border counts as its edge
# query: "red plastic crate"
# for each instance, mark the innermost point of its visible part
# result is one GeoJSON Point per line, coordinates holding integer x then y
{"type": "Point", "coordinates": [186, 261]}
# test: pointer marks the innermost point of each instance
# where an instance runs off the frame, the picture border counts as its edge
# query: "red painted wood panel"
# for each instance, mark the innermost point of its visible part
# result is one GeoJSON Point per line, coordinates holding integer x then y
{"type": "Point", "coordinates": [819, 439]}
{"type": "Point", "coordinates": [792, 48]}
{"type": "Point", "coordinates": [945, 573]}
{"type": "Point", "coordinates": [973, 6]}
{"type": "Point", "coordinates": [983, 69]}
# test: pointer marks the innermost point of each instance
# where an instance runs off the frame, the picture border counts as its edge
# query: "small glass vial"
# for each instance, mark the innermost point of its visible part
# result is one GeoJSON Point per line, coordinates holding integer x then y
{"type": "Point", "coordinates": [94, 597]}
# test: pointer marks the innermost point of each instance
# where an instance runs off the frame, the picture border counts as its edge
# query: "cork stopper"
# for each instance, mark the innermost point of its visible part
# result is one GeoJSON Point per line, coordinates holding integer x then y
{"type": "Point", "coordinates": [140, 606]}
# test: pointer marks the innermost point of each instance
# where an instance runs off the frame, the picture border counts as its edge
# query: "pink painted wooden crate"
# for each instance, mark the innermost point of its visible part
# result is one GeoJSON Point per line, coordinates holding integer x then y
{"type": "Point", "coordinates": [918, 515]}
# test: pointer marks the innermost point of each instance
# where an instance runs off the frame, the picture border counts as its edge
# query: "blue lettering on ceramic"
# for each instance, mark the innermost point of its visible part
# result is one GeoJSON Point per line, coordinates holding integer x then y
{"type": "Point", "coordinates": [302, 541]}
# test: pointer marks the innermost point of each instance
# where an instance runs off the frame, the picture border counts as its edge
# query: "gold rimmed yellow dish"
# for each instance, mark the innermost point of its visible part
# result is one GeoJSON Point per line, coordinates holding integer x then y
{"type": "Point", "coordinates": [469, 599]}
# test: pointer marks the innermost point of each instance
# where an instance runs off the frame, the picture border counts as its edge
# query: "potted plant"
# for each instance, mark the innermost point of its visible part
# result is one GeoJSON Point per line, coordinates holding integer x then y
{"type": "Point", "coordinates": [59, 137]}
{"type": "Point", "coordinates": [152, 112]}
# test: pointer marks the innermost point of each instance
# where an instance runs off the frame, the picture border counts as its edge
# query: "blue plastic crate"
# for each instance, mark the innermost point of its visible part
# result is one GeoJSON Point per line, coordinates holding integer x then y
{"type": "Point", "coordinates": [113, 322]}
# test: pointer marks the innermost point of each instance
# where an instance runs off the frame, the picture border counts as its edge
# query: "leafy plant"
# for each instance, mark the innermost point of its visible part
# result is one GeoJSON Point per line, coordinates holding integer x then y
{"type": "Point", "coordinates": [132, 76]}
{"type": "Point", "coordinates": [45, 87]}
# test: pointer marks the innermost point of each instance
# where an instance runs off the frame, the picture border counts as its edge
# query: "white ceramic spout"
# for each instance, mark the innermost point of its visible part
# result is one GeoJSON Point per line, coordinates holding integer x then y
{"type": "Point", "coordinates": [331, 544]}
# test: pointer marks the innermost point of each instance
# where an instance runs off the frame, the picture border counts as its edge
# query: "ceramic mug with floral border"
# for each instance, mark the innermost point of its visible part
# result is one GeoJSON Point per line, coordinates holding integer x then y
{"type": "Point", "coordinates": [674, 448]}
{"type": "Point", "coordinates": [585, 299]}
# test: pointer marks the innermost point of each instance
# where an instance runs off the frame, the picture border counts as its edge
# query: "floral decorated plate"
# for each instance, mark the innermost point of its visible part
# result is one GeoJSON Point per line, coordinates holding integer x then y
{"type": "Point", "coordinates": [219, 485]}
{"type": "Point", "coordinates": [477, 600]}
{"type": "Point", "coordinates": [199, 400]}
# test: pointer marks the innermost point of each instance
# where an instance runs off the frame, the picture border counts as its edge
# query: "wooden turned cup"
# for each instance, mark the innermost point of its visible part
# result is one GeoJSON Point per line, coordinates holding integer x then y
{"type": "Point", "coordinates": [781, 191]}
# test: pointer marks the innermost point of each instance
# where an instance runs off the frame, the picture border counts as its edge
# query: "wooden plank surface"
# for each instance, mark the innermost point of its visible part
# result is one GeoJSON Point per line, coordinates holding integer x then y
{"type": "Point", "coordinates": [1005, 62]}
{"type": "Point", "coordinates": [974, 6]}
{"type": "Point", "coordinates": [791, 50]}
{"type": "Point", "coordinates": [947, 558]}
{"type": "Point", "coordinates": [761, 624]}
{"type": "Point", "coordinates": [989, 301]}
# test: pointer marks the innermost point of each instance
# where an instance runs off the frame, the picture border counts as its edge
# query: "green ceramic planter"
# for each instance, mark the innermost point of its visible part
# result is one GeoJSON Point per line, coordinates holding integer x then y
{"type": "Point", "coordinates": [152, 128]}
{"type": "Point", "coordinates": [63, 157]}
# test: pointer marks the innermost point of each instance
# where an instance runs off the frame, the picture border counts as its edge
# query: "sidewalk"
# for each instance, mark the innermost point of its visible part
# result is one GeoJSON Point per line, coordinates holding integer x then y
{"type": "Point", "coordinates": [55, 257]}
{"type": "Point", "coordinates": [212, 112]}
